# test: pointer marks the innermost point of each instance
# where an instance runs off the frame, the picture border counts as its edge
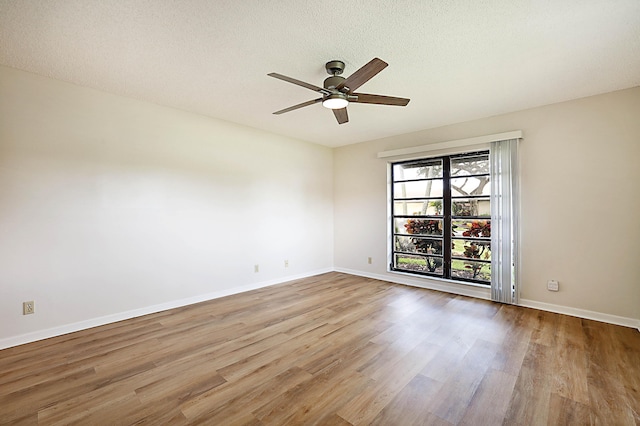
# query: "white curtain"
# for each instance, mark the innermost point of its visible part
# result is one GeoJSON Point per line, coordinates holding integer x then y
{"type": "Point", "coordinates": [504, 221]}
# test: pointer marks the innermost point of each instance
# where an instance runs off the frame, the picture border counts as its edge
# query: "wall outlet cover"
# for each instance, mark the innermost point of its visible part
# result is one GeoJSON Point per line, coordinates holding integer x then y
{"type": "Point", "coordinates": [28, 308]}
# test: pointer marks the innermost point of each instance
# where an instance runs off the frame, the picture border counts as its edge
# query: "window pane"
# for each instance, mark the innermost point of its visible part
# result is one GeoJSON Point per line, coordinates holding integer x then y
{"type": "Point", "coordinates": [418, 189]}
{"type": "Point", "coordinates": [467, 269]}
{"type": "Point", "coordinates": [471, 228]}
{"type": "Point", "coordinates": [471, 249]}
{"type": "Point", "coordinates": [419, 245]}
{"type": "Point", "coordinates": [472, 165]}
{"type": "Point", "coordinates": [418, 226]}
{"type": "Point", "coordinates": [418, 208]}
{"type": "Point", "coordinates": [471, 207]}
{"type": "Point", "coordinates": [419, 263]}
{"type": "Point", "coordinates": [418, 170]}
{"type": "Point", "coordinates": [415, 208]}
{"type": "Point", "coordinates": [478, 185]}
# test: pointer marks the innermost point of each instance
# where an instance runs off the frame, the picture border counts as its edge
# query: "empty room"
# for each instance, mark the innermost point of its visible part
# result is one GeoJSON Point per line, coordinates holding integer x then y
{"type": "Point", "coordinates": [292, 213]}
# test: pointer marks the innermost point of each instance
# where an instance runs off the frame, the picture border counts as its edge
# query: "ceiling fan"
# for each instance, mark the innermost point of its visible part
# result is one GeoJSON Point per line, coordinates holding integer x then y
{"type": "Point", "coordinates": [339, 91]}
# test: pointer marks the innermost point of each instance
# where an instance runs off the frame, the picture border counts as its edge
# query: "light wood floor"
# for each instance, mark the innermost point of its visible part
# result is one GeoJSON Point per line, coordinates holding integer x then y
{"type": "Point", "coordinates": [333, 349]}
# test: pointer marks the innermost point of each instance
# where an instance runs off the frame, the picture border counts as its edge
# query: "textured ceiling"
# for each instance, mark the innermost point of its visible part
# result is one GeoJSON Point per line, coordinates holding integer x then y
{"type": "Point", "coordinates": [456, 60]}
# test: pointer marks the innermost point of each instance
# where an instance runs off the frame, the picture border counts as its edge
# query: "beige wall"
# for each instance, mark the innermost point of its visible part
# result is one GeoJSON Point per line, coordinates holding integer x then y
{"type": "Point", "coordinates": [109, 204]}
{"type": "Point", "coordinates": [580, 199]}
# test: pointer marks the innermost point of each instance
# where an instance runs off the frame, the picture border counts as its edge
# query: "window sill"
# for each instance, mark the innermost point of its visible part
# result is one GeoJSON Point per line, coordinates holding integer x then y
{"type": "Point", "coordinates": [443, 280]}
{"type": "Point", "coordinates": [442, 284]}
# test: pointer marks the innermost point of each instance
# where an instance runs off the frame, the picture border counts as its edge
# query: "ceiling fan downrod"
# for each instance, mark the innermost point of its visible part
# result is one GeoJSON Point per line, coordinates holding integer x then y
{"type": "Point", "coordinates": [335, 68]}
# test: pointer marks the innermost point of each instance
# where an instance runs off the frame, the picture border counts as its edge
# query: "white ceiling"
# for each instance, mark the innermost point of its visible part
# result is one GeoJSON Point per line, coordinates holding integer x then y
{"type": "Point", "coordinates": [456, 60]}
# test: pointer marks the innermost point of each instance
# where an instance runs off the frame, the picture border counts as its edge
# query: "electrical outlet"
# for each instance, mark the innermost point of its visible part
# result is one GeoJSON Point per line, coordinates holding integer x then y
{"type": "Point", "coordinates": [553, 285]}
{"type": "Point", "coordinates": [28, 308]}
{"type": "Point", "coordinates": [286, 263]}
{"type": "Point", "coordinates": [369, 261]}
{"type": "Point", "coordinates": [256, 268]}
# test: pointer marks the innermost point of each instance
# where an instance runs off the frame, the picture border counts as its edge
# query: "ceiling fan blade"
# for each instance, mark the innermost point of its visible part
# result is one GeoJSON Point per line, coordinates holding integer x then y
{"type": "Point", "coordinates": [302, 105]}
{"type": "Point", "coordinates": [364, 98]}
{"type": "Point", "coordinates": [299, 83]}
{"type": "Point", "coordinates": [341, 115]}
{"type": "Point", "coordinates": [364, 74]}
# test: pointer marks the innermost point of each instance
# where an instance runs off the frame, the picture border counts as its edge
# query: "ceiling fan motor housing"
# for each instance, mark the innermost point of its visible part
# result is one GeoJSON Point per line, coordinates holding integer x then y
{"type": "Point", "coordinates": [333, 81]}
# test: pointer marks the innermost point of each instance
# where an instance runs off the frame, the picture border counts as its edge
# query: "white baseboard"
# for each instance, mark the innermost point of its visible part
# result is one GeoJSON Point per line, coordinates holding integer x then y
{"type": "Point", "coordinates": [440, 285]}
{"type": "Point", "coordinates": [445, 286]}
{"type": "Point", "coordinates": [108, 319]}
{"type": "Point", "coordinates": [482, 293]}
{"type": "Point", "coordinates": [581, 313]}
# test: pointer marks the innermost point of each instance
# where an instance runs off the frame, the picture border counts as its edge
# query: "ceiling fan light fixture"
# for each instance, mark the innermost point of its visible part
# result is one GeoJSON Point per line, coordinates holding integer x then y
{"type": "Point", "coordinates": [335, 101]}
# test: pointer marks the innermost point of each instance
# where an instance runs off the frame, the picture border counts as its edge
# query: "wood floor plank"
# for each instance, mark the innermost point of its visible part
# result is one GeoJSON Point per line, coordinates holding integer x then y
{"type": "Point", "coordinates": [333, 349]}
{"type": "Point", "coordinates": [608, 398]}
{"type": "Point", "coordinates": [238, 408]}
{"type": "Point", "coordinates": [490, 402]}
{"type": "Point", "coordinates": [564, 411]}
{"type": "Point", "coordinates": [571, 361]}
{"type": "Point", "coordinates": [448, 359]}
{"type": "Point", "coordinates": [545, 327]}
{"type": "Point", "coordinates": [394, 350]}
{"type": "Point", "coordinates": [456, 393]}
{"type": "Point", "coordinates": [388, 382]}
{"type": "Point", "coordinates": [307, 347]}
{"type": "Point", "coordinates": [516, 342]}
{"type": "Point", "coordinates": [530, 399]}
{"type": "Point", "coordinates": [321, 392]}
{"type": "Point", "coordinates": [410, 405]}
{"type": "Point", "coordinates": [628, 348]}
{"type": "Point", "coordinates": [606, 376]}
{"type": "Point", "coordinates": [29, 369]}
{"type": "Point", "coordinates": [95, 412]}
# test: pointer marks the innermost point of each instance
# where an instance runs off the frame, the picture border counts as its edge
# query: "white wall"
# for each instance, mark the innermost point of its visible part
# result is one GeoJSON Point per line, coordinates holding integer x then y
{"type": "Point", "coordinates": [111, 205]}
{"type": "Point", "coordinates": [580, 201]}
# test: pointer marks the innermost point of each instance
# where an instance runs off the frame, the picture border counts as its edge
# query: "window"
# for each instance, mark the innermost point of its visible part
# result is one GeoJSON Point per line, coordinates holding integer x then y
{"type": "Point", "coordinates": [441, 217]}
